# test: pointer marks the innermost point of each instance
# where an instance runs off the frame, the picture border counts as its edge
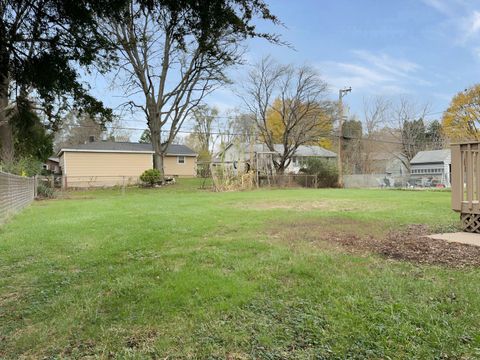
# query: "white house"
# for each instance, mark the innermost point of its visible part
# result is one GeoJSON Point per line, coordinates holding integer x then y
{"type": "Point", "coordinates": [239, 154]}
{"type": "Point", "coordinates": [430, 168]}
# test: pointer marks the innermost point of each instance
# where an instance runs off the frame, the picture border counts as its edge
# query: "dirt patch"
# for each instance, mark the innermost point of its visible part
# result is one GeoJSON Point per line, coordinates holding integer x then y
{"type": "Point", "coordinates": [355, 236]}
{"type": "Point", "coordinates": [411, 244]}
{"type": "Point", "coordinates": [334, 205]}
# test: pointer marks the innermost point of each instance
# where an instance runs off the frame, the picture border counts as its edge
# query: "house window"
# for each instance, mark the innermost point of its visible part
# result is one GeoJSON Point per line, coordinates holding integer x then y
{"type": "Point", "coordinates": [180, 159]}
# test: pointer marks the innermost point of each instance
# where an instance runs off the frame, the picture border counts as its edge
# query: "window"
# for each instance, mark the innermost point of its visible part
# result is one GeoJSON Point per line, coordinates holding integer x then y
{"type": "Point", "coordinates": [180, 159]}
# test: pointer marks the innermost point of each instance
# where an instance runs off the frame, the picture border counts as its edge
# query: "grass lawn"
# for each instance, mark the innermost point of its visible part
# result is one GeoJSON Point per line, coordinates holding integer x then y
{"type": "Point", "coordinates": [183, 273]}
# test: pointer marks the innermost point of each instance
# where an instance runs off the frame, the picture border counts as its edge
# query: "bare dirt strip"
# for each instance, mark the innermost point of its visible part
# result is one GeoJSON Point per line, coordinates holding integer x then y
{"type": "Point", "coordinates": [409, 243]}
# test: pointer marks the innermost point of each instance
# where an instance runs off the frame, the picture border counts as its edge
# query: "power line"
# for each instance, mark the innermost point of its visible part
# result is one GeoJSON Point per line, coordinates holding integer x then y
{"type": "Point", "coordinates": [320, 136]}
{"type": "Point", "coordinates": [231, 117]}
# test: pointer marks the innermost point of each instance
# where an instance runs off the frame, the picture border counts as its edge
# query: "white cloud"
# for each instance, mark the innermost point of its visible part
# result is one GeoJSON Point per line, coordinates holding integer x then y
{"type": "Point", "coordinates": [394, 66]}
{"type": "Point", "coordinates": [439, 5]}
{"type": "Point", "coordinates": [375, 73]}
{"type": "Point", "coordinates": [472, 24]}
{"type": "Point", "coordinates": [462, 20]}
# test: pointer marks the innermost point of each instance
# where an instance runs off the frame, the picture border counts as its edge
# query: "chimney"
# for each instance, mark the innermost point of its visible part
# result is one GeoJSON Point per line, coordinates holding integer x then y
{"type": "Point", "coordinates": [91, 138]}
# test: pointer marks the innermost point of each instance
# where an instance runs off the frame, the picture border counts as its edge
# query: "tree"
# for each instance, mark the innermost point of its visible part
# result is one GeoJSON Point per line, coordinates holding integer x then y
{"type": "Point", "coordinates": [461, 121]}
{"type": "Point", "coordinates": [375, 113]}
{"type": "Point", "coordinates": [31, 139]}
{"type": "Point", "coordinates": [42, 43]}
{"type": "Point", "coordinates": [77, 129]}
{"type": "Point", "coordinates": [176, 52]}
{"type": "Point", "coordinates": [145, 138]}
{"type": "Point", "coordinates": [434, 136]}
{"type": "Point", "coordinates": [80, 128]}
{"type": "Point", "coordinates": [301, 107]}
{"type": "Point", "coordinates": [321, 132]}
{"type": "Point", "coordinates": [205, 131]}
{"type": "Point", "coordinates": [408, 129]}
{"type": "Point", "coordinates": [352, 145]}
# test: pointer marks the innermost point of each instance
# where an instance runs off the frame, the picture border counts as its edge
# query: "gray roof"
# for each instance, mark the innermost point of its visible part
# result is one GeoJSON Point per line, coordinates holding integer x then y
{"type": "Point", "coordinates": [105, 146]}
{"type": "Point", "coordinates": [302, 150]}
{"type": "Point", "coordinates": [432, 156]}
{"type": "Point", "coordinates": [311, 150]}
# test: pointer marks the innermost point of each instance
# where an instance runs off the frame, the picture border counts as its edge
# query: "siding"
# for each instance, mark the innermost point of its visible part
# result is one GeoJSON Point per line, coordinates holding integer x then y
{"type": "Point", "coordinates": [188, 169]}
{"type": "Point", "coordinates": [85, 169]}
{"type": "Point", "coordinates": [88, 169]}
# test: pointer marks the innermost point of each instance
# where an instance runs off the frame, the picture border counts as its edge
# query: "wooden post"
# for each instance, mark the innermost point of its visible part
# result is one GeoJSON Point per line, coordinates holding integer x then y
{"type": "Point", "coordinates": [457, 177]}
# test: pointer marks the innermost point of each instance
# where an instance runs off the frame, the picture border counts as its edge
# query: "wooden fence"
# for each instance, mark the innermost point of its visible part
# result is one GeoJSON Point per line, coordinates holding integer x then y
{"type": "Point", "coordinates": [16, 192]}
{"type": "Point", "coordinates": [466, 183]}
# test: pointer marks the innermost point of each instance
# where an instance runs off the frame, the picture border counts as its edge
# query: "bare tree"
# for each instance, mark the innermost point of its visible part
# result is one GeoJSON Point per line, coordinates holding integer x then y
{"type": "Point", "coordinates": [375, 113]}
{"type": "Point", "coordinates": [205, 131]}
{"type": "Point", "coordinates": [77, 129]}
{"type": "Point", "coordinates": [408, 129]}
{"type": "Point", "coordinates": [296, 95]}
{"type": "Point", "coordinates": [173, 56]}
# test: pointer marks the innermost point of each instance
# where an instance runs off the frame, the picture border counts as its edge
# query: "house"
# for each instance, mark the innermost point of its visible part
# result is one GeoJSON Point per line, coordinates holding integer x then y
{"type": "Point", "coordinates": [431, 168]}
{"type": "Point", "coordinates": [388, 163]}
{"type": "Point", "coordinates": [238, 154]}
{"type": "Point", "coordinates": [106, 163]}
{"type": "Point", "coordinates": [52, 165]}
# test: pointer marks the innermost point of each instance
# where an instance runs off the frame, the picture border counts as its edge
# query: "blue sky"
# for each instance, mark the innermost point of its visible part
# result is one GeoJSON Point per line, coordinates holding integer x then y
{"type": "Point", "coordinates": [427, 50]}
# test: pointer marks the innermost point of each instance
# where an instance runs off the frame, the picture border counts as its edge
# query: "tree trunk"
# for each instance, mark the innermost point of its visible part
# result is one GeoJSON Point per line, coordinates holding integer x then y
{"type": "Point", "coordinates": [7, 152]}
{"type": "Point", "coordinates": [158, 150]}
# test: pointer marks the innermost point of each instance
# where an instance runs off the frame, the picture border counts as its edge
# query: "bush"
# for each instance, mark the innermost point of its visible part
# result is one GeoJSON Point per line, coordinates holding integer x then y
{"type": "Point", "coordinates": [151, 177]}
{"type": "Point", "coordinates": [45, 191]}
{"type": "Point", "coordinates": [26, 166]}
{"type": "Point", "coordinates": [325, 170]}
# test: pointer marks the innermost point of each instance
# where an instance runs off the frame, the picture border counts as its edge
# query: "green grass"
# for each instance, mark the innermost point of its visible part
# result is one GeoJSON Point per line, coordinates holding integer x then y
{"type": "Point", "coordinates": [183, 273]}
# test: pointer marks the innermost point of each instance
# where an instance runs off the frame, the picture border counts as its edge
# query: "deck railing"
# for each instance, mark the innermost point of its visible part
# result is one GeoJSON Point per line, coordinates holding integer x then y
{"type": "Point", "coordinates": [466, 183]}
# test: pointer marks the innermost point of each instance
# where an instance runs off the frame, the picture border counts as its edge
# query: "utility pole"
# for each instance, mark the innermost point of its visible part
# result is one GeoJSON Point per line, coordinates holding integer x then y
{"type": "Point", "coordinates": [341, 94]}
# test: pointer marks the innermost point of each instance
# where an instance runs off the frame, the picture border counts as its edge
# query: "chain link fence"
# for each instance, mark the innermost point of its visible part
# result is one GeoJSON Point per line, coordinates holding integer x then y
{"type": "Point", "coordinates": [296, 180]}
{"type": "Point", "coordinates": [92, 182]}
{"type": "Point", "coordinates": [16, 192]}
{"type": "Point", "coordinates": [388, 181]}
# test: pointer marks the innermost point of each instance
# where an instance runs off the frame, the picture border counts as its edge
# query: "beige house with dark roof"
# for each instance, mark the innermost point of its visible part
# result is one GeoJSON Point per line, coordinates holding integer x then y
{"type": "Point", "coordinates": [116, 163]}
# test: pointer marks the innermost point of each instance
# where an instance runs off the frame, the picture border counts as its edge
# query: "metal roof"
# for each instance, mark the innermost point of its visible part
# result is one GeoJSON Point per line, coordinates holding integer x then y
{"type": "Point", "coordinates": [110, 146]}
{"type": "Point", "coordinates": [432, 156]}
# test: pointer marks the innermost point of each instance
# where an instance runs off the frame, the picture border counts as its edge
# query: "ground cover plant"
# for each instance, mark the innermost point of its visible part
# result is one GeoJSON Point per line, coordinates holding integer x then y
{"type": "Point", "coordinates": [175, 272]}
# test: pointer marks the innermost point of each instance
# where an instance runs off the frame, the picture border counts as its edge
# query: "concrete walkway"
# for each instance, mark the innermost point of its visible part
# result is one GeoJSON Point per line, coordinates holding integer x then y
{"type": "Point", "coordinates": [458, 237]}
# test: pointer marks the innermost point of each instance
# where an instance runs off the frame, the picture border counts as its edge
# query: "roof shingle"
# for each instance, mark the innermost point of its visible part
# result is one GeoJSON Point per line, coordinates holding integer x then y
{"type": "Point", "coordinates": [173, 149]}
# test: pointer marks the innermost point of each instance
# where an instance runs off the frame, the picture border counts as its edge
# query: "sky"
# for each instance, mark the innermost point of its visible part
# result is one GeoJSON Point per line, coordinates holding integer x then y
{"type": "Point", "coordinates": [426, 50]}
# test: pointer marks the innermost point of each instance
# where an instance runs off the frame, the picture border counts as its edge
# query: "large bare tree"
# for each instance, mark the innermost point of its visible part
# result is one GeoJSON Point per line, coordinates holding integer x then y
{"type": "Point", "coordinates": [173, 54]}
{"type": "Point", "coordinates": [375, 115]}
{"type": "Point", "coordinates": [408, 128]}
{"type": "Point", "coordinates": [295, 95]}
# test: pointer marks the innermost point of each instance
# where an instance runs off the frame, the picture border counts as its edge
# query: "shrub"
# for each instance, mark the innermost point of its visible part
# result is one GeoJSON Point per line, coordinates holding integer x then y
{"type": "Point", "coordinates": [325, 170]}
{"type": "Point", "coordinates": [45, 191]}
{"type": "Point", "coordinates": [151, 177]}
{"type": "Point", "coordinates": [26, 166]}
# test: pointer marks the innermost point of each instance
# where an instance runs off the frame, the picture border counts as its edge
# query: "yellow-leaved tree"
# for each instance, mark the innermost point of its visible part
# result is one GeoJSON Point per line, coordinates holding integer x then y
{"type": "Point", "coordinates": [461, 121]}
{"type": "Point", "coordinates": [322, 118]}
